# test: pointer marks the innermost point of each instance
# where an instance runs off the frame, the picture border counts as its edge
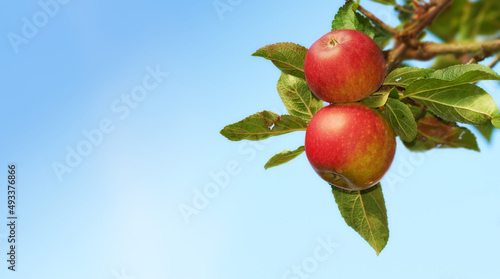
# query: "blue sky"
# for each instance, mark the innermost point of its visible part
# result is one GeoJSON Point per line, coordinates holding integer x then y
{"type": "Point", "coordinates": [151, 83]}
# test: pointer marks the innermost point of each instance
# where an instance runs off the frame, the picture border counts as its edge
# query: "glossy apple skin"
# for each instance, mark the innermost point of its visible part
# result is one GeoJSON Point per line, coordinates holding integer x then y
{"type": "Point", "coordinates": [350, 145]}
{"type": "Point", "coordinates": [344, 66]}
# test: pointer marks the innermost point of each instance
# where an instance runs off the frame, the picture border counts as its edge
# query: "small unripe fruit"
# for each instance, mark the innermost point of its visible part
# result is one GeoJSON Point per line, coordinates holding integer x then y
{"type": "Point", "coordinates": [344, 66]}
{"type": "Point", "coordinates": [350, 145]}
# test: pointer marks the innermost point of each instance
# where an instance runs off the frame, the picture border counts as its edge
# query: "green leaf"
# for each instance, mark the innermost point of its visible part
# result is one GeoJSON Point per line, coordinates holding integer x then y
{"type": "Point", "coordinates": [444, 61]}
{"type": "Point", "coordinates": [401, 119]}
{"type": "Point", "coordinates": [480, 18]}
{"type": "Point", "coordinates": [394, 93]}
{"type": "Point", "coordinates": [488, 23]}
{"type": "Point", "coordinates": [263, 125]}
{"type": "Point", "coordinates": [298, 99]}
{"type": "Point", "coordinates": [403, 16]}
{"type": "Point", "coordinates": [464, 20]}
{"type": "Point", "coordinates": [382, 37]}
{"type": "Point", "coordinates": [377, 99]}
{"type": "Point", "coordinates": [464, 103]}
{"type": "Point", "coordinates": [463, 74]}
{"type": "Point", "coordinates": [356, 4]}
{"type": "Point", "coordinates": [496, 121]}
{"type": "Point", "coordinates": [365, 212]}
{"type": "Point", "coordinates": [284, 156]}
{"type": "Point", "coordinates": [288, 57]}
{"type": "Point", "coordinates": [449, 94]}
{"type": "Point", "coordinates": [386, 2]}
{"type": "Point", "coordinates": [486, 130]}
{"type": "Point", "coordinates": [434, 133]}
{"type": "Point", "coordinates": [348, 18]}
{"type": "Point", "coordinates": [416, 111]}
{"type": "Point", "coordinates": [447, 25]}
{"type": "Point", "coordinates": [365, 25]}
{"type": "Point", "coordinates": [403, 76]}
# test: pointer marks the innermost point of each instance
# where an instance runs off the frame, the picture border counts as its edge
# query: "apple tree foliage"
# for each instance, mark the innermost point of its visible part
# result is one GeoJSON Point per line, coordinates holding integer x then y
{"type": "Point", "coordinates": [424, 106]}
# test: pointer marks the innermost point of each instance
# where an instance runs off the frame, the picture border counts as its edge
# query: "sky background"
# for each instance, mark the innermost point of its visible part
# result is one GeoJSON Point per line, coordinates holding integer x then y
{"type": "Point", "coordinates": [115, 213]}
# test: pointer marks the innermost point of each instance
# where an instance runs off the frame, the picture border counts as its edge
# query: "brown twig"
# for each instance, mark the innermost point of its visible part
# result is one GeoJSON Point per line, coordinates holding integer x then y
{"type": "Point", "coordinates": [403, 9]}
{"type": "Point", "coordinates": [429, 50]}
{"type": "Point", "coordinates": [428, 13]}
{"type": "Point", "coordinates": [495, 61]}
{"type": "Point", "coordinates": [377, 21]}
{"type": "Point", "coordinates": [473, 60]}
{"type": "Point", "coordinates": [394, 57]}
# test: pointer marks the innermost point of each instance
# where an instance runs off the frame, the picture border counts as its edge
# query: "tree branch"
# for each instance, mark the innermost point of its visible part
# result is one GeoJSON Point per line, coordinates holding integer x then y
{"type": "Point", "coordinates": [377, 21]}
{"type": "Point", "coordinates": [430, 12]}
{"type": "Point", "coordinates": [403, 9]}
{"type": "Point", "coordinates": [430, 15]}
{"type": "Point", "coordinates": [429, 50]}
{"type": "Point", "coordinates": [495, 61]}
{"type": "Point", "coordinates": [394, 57]}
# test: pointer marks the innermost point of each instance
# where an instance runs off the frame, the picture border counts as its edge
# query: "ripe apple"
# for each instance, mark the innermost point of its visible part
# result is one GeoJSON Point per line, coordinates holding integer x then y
{"type": "Point", "coordinates": [344, 66]}
{"type": "Point", "coordinates": [350, 145]}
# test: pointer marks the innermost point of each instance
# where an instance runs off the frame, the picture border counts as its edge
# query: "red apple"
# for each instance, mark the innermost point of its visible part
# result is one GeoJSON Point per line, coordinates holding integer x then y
{"type": "Point", "coordinates": [350, 145]}
{"type": "Point", "coordinates": [344, 66]}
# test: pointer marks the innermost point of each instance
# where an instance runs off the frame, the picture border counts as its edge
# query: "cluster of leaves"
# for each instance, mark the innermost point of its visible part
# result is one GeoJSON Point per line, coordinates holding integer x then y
{"type": "Point", "coordinates": [466, 20]}
{"type": "Point", "coordinates": [422, 105]}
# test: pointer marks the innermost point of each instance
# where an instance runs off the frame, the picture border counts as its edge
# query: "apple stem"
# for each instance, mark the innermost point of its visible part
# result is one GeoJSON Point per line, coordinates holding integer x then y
{"type": "Point", "coordinates": [333, 42]}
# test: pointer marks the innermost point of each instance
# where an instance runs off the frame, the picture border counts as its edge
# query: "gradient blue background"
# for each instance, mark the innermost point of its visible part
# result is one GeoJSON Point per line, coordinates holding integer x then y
{"type": "Point", "coordinates": [117, 214]}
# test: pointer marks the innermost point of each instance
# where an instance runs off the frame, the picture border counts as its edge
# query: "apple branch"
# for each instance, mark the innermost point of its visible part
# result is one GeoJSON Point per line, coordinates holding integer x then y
{"type": "Point", "coordinates": [403, 9]}
{"type": "Point", "coordinates": [429, 50]}
{"type": "Point", "coordinates": [435, 8]}
{"type": "Point", "coordinates": [495, 61]}
{"type": "Point", "coordinates": [394, 56]}
{"type": "Point", "coordinates": [412, 30]}
{"type": "Point", "coordinates": [377, 21]}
